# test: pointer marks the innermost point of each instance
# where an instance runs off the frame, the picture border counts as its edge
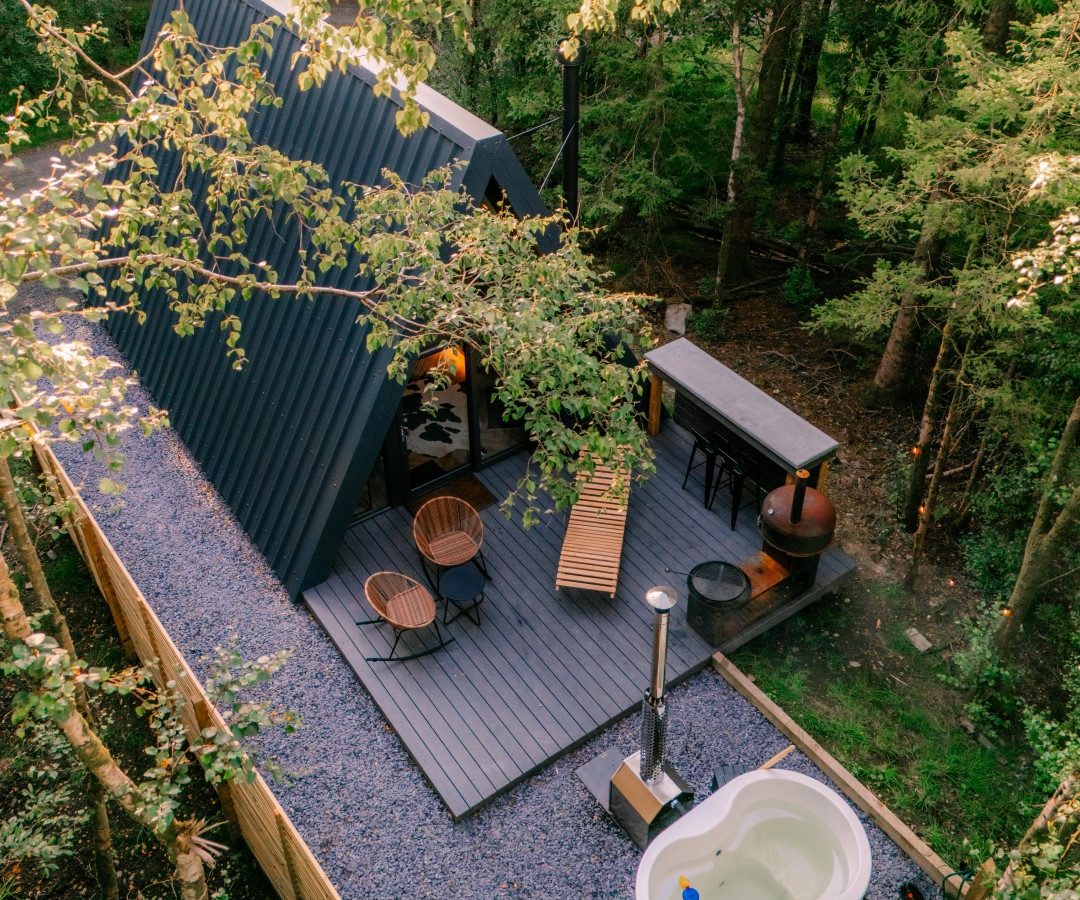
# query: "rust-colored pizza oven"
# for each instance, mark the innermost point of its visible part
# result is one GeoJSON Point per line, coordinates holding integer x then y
{"type": "Point", "coordinates": [797, 524]}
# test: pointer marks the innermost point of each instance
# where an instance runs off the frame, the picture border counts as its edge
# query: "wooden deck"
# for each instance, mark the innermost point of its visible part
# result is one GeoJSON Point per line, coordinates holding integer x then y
{"type": "Point", "coordinates": [547, 669]}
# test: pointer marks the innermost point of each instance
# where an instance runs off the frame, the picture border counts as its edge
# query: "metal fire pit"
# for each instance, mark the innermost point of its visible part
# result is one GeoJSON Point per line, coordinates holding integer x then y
{"type": "Point", "coordinates": [717, 590]}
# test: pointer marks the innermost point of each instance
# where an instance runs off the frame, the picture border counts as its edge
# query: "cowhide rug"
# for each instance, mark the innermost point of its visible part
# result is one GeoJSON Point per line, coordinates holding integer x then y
{"type": "Point", "coordinates": [440, 431]}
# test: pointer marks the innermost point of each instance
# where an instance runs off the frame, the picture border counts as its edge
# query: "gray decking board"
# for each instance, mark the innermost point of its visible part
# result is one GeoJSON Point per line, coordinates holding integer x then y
{"type": "Point", "coordinates": [622, 615]}
{"type": "Point", "coordinates": [530, 633]}
{"type": "Point", "coordinates": [546, 670]}
{"type": "Point", "coordinates": [778, 432]}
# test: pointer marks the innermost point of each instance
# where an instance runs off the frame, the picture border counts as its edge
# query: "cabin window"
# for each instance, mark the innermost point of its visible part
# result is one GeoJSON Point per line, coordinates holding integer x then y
{"type": "Point", "coordinates": [497, 430]}
{"type": "Point", "coordinates": [444, 428]}
{"type": "Point", "coordinates": [494, 197]}
{"type": "Point", "coordinates": [435, 427]}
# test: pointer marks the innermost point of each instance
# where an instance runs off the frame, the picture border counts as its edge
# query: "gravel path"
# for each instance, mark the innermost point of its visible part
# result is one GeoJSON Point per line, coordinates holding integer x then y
{"type": "Point", "coordinates": [354, 794]}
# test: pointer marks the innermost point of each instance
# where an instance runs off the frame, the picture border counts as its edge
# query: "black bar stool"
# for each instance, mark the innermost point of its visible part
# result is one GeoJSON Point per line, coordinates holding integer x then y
{"type": "Point", "coordinates": [709, 450]}
{"type": "Point", "coordinates": [735, 470]}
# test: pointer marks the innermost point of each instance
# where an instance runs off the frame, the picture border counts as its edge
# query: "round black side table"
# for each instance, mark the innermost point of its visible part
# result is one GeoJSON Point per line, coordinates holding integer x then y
{"type": "Point", "coordinates": [463, 586]}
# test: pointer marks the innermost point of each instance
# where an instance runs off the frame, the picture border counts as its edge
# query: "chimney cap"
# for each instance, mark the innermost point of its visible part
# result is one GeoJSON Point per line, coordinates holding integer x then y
{"type": "Point", "coordinates": [576, 59]}
{"type": "Point", "coordinates": [662, 597]}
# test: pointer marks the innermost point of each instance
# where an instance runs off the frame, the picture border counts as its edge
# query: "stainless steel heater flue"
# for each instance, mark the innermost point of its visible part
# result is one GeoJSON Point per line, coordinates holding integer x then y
{"type": "Point", "coordinates": [647, 794]}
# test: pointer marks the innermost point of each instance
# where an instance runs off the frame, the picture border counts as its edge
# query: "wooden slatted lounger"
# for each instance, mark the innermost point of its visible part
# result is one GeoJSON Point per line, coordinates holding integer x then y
{"type": "Point", "coordinates": [592, 546]}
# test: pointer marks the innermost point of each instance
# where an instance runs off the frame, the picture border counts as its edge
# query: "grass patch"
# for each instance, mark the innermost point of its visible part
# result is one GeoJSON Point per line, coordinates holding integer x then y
{"type": "Point", "coordinates": [890, 590]}
{"type": "Point", "coordinates": [66, 573]}
{"type": "Point", "coordinates": [903, 744]}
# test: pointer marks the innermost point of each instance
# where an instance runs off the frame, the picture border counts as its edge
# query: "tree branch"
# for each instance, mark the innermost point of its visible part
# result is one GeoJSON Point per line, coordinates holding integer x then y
{"type": "Point", "coordinates": [75, 48]}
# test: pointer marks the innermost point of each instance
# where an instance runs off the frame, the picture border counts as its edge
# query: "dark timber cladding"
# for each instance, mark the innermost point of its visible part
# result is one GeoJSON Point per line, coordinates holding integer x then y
{"type": "Point", "coordinates": [546, 669]}
{"type": "Point", "coordinates": [289, 440]}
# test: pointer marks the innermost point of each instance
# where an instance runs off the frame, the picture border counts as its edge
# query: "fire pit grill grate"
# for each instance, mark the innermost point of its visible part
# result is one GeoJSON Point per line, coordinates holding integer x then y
{"type": "Point", "coordinates": [719, 583]}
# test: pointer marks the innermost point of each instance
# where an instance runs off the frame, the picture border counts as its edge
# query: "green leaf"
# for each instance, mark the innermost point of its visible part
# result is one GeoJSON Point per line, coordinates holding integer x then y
{"type": "Point", "coordinates": [94, 190]}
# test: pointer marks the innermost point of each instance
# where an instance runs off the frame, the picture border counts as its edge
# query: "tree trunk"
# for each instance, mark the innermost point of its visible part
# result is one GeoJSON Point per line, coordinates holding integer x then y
{"type": "Point", "coordinates": [927, 429]}
{"type": "Point", "coordinates": [963, 513]}
{"type": "Point", "coordinates": [875, 113]}
{"type": "Point", "coordinates": [995, 30]}
{"type": "Point", "coordinates": [1050, 534]}
{"type": "Point", "coordinates": [783, 120]}
{"type": "Point", "coordinates": [723, 257]}
{"type": "Point", "coordinates": [774, 59]}
{"type": "Point", "coordinates": [734, 256]}
{"type": "Point", "coordinates": [28, 556]}
{"type": "Point", "coordinates": [864, 131]}
{"type": "Point", "coordinates": [12, 614]}
{"type": "Point", "coordinates": [88, 748]}
{"type": "Point", "coordinates": [741, 93]}
{"type": "Point", "coordinates": [104, 855]}
{"type": "Point", "coordinates": [759, 122]}
{"type": "Point", "coordinates": [926, 510]}
{"type": "Point", "coordinates": [786, 95]}
{"type": "Point", "coordinates": [894, 370]}
{"type": "Point", "coordinates": [826, 160]}
{"type": "Point", "coordinates": [806, 73]}
{"type": "Point", "coordinates": [189, 871]}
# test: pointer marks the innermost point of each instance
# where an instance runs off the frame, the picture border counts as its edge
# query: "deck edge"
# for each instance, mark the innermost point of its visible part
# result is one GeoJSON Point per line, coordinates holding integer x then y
{"type": "Point", "coordinates": [774, 617]}
{"type": "Point", "coordinates": [458, 812]}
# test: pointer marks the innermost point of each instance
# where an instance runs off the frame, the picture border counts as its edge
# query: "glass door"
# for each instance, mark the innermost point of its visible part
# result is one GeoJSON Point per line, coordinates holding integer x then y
{"type": "Point", "coordinates": [435, 428]}
{"type": "Point", "coordinates": [497, 434]}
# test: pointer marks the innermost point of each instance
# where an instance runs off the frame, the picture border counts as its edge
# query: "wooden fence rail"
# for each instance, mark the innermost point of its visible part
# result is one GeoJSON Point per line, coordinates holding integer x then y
{"type": "Point", "coordinates": [250, 806]}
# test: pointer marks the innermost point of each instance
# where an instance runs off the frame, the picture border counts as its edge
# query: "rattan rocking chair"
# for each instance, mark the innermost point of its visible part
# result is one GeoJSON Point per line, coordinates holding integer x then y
{"type": "Point", "coordinates": [404, 604]}
{"type": "Point", "coordinates": [448, 532]}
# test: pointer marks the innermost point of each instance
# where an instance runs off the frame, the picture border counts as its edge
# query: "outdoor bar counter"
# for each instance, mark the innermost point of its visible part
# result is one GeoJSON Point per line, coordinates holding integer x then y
{"type": "Point", "coordinates": [711, 397]}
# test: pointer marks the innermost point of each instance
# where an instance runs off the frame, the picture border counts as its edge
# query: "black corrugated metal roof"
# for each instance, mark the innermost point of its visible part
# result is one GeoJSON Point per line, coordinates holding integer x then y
{"type": "Point", "coordinates": [290, 439]}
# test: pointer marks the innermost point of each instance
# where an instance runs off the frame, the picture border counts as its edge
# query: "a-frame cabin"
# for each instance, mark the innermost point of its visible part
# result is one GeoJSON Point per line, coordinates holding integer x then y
{"type": "Point", "coordinates": [311, 433]}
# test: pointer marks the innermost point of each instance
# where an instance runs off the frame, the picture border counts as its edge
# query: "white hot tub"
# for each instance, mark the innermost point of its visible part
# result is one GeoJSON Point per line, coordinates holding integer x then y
{"type": "Point", "coordinates": [766, 835]}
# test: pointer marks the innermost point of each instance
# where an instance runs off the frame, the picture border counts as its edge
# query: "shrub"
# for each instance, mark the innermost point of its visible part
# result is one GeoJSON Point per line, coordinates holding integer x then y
{"type": "Point", "coordinates": [992, 558]}
{"type": "Point", "coordinates": [1056, 740]}
{"type": "Point", "coordinates": [711, 324]}
{"type": "Point", "coordinates": [1001, 512]}
{"type": "Point", "coordinates": [48, 818]}
{"type": "Point", "coordinates": [800, 290]}
{"type": "Point", "coordinates": [896, 482]}
{"type": "Point", "coordinates": [980, 671]}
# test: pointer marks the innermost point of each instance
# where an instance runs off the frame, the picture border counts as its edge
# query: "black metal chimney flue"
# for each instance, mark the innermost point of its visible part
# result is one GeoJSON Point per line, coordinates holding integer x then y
{"type": "Point", "coordinates": [570, 128]}
{"type": "Point", "coordinates": [799, 497]}
{"type": "Point", "coordinates": [653, 709]}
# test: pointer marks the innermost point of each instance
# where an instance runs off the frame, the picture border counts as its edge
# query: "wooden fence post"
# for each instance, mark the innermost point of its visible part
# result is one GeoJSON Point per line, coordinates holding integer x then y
{"type": "Point", "coordinates": [151, 638]}
{"type": "Point", "coordinates": [224, 789]}
{"type": "Point", "coordinates": [286, 851]}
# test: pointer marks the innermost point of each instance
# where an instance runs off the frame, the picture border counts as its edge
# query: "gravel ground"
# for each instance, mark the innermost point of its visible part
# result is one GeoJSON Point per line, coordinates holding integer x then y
{"type": "Point", "coordinates": [354, 794]}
